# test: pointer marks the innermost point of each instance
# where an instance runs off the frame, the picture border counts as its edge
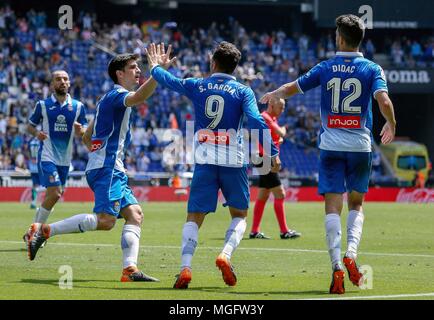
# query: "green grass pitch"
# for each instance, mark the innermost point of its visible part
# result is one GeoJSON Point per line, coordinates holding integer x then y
{"type": "Point", "coordinates": [397, 243]}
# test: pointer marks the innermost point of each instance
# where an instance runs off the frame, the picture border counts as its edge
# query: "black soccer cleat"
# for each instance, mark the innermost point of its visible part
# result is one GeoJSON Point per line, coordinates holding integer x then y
{"type": "Point", "coordinates": [37, 236]}
{"type": "Point", "coordinates": [132, 274]}
{"type": "Point", "coordinates": [291, 234]}
{"type": "Point", "coordinates": [258, 235]}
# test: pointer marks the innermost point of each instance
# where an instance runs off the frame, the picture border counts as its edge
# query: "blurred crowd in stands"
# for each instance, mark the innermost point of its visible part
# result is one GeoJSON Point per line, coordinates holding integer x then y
{"type": "Point", "coordinates": [29, 51]}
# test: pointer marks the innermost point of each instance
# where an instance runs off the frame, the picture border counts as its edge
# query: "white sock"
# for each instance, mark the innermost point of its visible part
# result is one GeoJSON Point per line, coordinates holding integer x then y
{"type": "Point", "coordinates": [78, 223]}
{"type": "Point", "coordinates": [234, 235]}
{"type": "Point", "coordinates": [354, 232]}
{"type": "Point", "coordinates": [190, 234]}
{"type": "Point", "coordinates": [130, 242]}
{"type": "Point", "coordinates": [42, 215]}
{"type": "Point", "coordinates": [333, 237]}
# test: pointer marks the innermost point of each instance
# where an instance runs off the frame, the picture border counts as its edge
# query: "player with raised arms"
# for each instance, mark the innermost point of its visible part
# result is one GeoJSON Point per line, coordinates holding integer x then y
{"type": "Point", "coordinates": [107, 137]}
{"type": "Point", "coordinates": [220, 104]}
{"type": "Point", "coordinates": [61, 118]}
{"type": "Point", "coordinates": [348, 81]}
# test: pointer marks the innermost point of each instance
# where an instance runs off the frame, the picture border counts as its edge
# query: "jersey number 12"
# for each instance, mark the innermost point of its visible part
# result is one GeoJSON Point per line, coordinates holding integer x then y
{"type": "Point", "coordinates": [349, 84]}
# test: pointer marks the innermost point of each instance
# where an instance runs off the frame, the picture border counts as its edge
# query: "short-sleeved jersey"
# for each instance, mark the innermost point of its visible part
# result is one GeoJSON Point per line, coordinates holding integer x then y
{"type": "Point", "coordinates": [220, 104]}
{"type": "Point", "coordinates": [348, 81]}
{"type": "Point", "coordinates": [111, 131]}
{"type": "Point", "coordinates": [58, 122]}
{"type": "Point", "coordinates": [272, 123]}
{"type": "Point", "coordinates": [34, 145]}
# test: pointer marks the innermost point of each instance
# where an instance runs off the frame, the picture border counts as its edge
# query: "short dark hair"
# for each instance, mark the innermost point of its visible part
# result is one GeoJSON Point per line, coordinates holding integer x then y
{"type": "Point", "coordinates": [351, 29]}
{"type": "Point", "coordinates": [51, 76]}
{"type": "Point", "coordinates": [226, 56]}
{"type": "Point", "coordinates": [119, 62]}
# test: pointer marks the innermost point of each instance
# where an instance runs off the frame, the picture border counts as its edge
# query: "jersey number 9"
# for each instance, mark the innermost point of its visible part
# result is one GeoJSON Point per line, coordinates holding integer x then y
{"type": "Point", "coordinates": [214, 107]}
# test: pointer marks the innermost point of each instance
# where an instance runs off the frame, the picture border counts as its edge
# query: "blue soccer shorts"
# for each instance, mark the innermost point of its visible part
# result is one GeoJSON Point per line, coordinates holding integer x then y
{"type": "Point", "coordinates": [111, 190]}
{"type": "Point", "coordinates": [344, 171]}
{"type": "Point", "coordinates": [208, 179]}
{"type": "Point", "coordinates": [35, 179]}
{"type": "Point", "coordinates": [51, 175]}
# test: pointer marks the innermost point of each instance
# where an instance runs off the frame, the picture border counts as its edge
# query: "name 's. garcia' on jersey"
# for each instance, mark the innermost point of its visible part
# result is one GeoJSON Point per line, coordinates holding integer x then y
{"type": "Point", "coordinates": [220, 87]}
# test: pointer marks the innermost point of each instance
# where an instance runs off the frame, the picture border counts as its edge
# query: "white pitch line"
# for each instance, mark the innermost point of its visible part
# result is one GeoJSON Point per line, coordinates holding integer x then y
{"type": "Point", "coordinates": [392, 296]}
{"type": "Point", "coordinates": [410, 255]}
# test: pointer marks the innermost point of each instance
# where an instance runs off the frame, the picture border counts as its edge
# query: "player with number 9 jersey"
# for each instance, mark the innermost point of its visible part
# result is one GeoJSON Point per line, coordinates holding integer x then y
{"type": "Point", "coordinates": [220, 105]}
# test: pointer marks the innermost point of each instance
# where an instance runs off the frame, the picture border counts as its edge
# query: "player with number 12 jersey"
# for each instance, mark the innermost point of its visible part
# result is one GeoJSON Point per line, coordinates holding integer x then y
{"type": "Point", "coordinates": [348, 82]}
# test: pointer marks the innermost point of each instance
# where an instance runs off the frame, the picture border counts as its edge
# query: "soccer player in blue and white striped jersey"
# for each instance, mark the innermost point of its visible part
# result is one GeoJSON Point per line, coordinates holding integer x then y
{"type": "Point", "coordinates": [348, 82]}
{"type": "Point", "coordinates": [61, 117]}
{"type": "Point", "coordinates": [220, 103]}
{"type": "Point", "coordinates": [107, 137]}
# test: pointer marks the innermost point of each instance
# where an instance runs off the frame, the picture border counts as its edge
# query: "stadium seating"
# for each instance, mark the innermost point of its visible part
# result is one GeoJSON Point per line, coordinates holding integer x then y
{"type": "Point", "coordinates": [82, 61]}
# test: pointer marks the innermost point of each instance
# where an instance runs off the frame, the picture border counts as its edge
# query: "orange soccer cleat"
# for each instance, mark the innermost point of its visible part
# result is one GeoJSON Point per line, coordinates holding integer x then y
{"type": "Point", "coordinates": [225, 266]}
{"type": "Point", "coordinates": [36, 236]}
{"type": "Point", "coordinates": [356, 277]}
{"type": "Point", "coordinates": [337, 285]}
{"type": "Point", "coordinates": [183, 279]}
{"type": "Point", "coordinates": [132, 274]}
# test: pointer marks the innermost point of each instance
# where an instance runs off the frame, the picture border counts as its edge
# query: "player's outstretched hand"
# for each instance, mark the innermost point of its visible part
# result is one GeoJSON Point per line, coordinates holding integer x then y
{"type": "Point", "coordinates": [41, 136]}
{"type": "Point", "coordinates": [269, 97]}
{"type": "Point", "coordinates": [275, 164]}
{"type": "Point", "coordinates": [157, 55]}
{"type": "Point", "coordinates": [387, 133]}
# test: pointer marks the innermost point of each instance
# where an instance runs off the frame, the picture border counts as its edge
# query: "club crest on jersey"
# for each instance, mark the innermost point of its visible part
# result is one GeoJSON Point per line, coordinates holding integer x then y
{"type": "Point", "coordinates": [344, 122]}
{"type": "Point", "coordinates": [69, 107]}
{"type": "Point", "coordinates": [61, 125]}
{"type": "Point", "coordinates": [117, 206]}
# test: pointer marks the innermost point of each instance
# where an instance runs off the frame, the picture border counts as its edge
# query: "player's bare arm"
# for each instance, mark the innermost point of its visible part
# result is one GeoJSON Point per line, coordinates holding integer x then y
{"type": "Point", "coordinates": [275, 164]}
{"type": "Point", "coordinates": [87, 136]}
{"type": "Point", "coordinates": [143, 93]}
{"type": "Point", "coordinates": [149, 86]}
{"type": "Point", "coordinates": [386, 107]}
{"type": "Point", "coordinates": [281, 131]}
{"type": "Point", "coordinates": [40, 135]}
{"type": "Point", "coordinates": [284, 92]}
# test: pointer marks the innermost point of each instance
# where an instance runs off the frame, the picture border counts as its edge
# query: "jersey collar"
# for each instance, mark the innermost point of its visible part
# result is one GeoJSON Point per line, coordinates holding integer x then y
{"type": "Point", "coordinates": [348, 54]}
{"type": "Point", "coordinates": [68, 100]}
{"type": "Point", "coordinates": [223, 75]}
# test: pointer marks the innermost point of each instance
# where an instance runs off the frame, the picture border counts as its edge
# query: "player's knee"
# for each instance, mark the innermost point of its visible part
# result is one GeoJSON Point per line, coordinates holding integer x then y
{"type": "Point", "coordinates": [136, 216]}
{"type": "Point", "coordinates": [355, 201]}
{"type": "Point", "coordinates": [355, 205]}
{"type": "Point", "coordinates": [238, 213]}
{"type": "Point", "coordinates": [279, 194]}
{"type": "Point", "coordinates": [106, 222]}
